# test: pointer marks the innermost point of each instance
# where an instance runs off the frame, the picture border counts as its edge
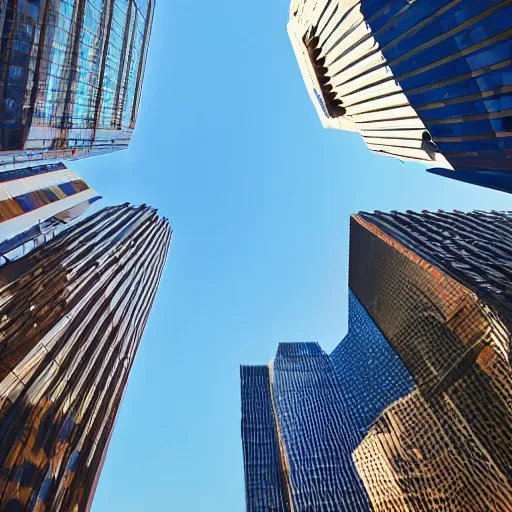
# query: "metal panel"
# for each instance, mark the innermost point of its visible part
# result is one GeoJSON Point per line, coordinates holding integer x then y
{"type": "Point", "coordinates": [73, 316]}
{"type": "Point", "coordinates": [350, 83]}
{"type": "Point", "coordinates": [34, 202]}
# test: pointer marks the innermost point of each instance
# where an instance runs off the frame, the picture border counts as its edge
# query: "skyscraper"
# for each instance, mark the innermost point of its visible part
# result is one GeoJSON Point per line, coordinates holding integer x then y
{"type": "Point", "coordinates": [429, 82]}
{"type": "Point", "coordinates": [412, 409]}
{"type": "Point", "coordinates": [302, 462]}
{"type": "Point", "coordinates": [72, 314]}
{"type": "Point", "coordinates": [35, 202]}
{"type": "Point", "coordinates": [433, 283]}
{"type": "Point", "coordinates": [70, 77]}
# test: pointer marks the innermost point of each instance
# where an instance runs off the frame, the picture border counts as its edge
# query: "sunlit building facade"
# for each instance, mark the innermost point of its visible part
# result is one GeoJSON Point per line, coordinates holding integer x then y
{"type": "Point", "coordinates": [424, 81]}
{"type": "Point", "coordinates": [412, 409]}
{"type": "Point", "coordinates": [37, 202]}
{"type": "Point", "coordinates": [71, 75]}
{"type": "Point", "coordinates": [72, 314]}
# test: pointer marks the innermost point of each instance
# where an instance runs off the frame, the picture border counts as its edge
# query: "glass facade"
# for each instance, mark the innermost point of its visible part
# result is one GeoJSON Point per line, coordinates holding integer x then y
{"type": "Point", "coordinates": [303, 402]}
{"type": "Point", "coordinates": [317, 430]}
{"type": "Point", "coordinates": [35, 202]}
{"type": "Point", "coordinates": [412, 409]}
{"type": "Point", "coordinates": [424, 81]}
{"type": "Point", "coordinates": [452, 59]}
{"type": "Point", "coordinates": [446, 445]}
{"type": "Point", "coordinates": [370, 371]}
{"type": "Point", "coordinates": [71, 76]}
{"type": "Point", "coordinates": [65, 360]}
{"type": "Point", "coordinates": [265, 479]}
{"type": "Point", "coordinates": [473, 248]}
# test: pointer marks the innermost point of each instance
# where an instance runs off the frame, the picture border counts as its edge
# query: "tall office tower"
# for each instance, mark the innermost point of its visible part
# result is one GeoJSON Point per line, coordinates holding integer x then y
{"type": "Point", "coordinates": [423, 378]}
{"type": "Point", "coordinates": [35, 203]}
{"type": "Point", "coordinates": [423, 81]}
{"type": "Point", "coordinates": [438, 287]}
{"type": "Point", "coordinates": [298, 435]}
{"type": "Point", "coordinates": [70, 77]}
{"type": "Point", "coordinates": [72, 314]}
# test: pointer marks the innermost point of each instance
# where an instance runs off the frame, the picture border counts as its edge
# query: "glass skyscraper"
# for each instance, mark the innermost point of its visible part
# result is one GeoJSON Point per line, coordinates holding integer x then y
{"type": "Point", "coordinates": [72, 314]}
{"type": "Point", "coordinates": [70, 77]}
{"type": "Point", "coordinates": [423, 81]}
{"type": "Point", "coordinates": [412, 409]}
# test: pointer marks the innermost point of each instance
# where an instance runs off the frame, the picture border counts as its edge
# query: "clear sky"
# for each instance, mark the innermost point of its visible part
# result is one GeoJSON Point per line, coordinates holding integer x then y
{"type": "Point", "coordinates": [230, 149]}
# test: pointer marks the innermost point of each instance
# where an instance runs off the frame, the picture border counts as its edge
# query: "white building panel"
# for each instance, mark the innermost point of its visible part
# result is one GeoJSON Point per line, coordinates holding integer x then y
{"type": "Point", "coordinates": [350, 83]}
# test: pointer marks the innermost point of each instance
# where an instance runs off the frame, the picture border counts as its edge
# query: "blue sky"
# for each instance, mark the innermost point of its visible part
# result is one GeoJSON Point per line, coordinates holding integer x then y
{"type": "Point", "coordinates": [230, 149]}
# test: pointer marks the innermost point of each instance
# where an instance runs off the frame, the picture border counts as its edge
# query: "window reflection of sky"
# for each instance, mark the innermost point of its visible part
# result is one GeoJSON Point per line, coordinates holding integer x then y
{"type": "Point", "coordinates": [94, 88]}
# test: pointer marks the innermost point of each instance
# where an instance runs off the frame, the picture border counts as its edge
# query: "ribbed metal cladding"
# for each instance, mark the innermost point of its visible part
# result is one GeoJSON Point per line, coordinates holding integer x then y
{"type": "Point", "coordinates": [427, 81]}
{"type": "Point", "coordinates": [72, 314]}
{"type": "Point", "coordinates": [346, 72]}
